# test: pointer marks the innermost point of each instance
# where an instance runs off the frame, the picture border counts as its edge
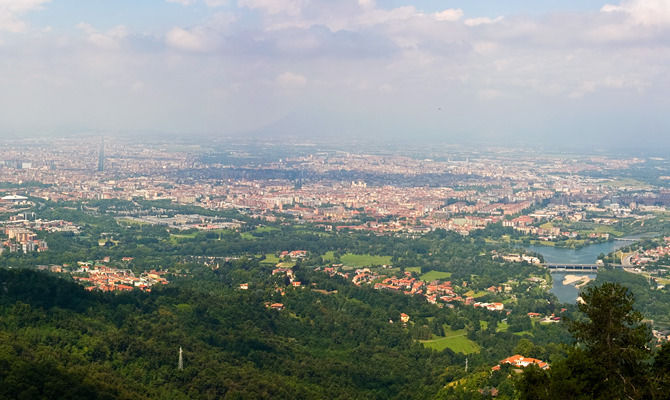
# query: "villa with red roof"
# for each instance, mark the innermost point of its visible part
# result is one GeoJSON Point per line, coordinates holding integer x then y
{"type": "Point", "coordinates": [520, 361]}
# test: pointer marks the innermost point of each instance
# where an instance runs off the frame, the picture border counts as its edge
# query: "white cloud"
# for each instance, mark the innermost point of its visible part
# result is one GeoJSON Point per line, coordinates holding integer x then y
{"type": "Point", "coordinates": [189, 40]}
{"type": "Point", "coordinates": [289, 80]}
{"type": "Point", "coordinates": [182, 2]}
{"type": "Point", "coordinates": [482, 21]}
{"type": "Point", "coordinates": [273, 7]}
{"type": "Point", "coordinates": [202, 38]}
{"type": "Point", "coordinates": [208, 3]}
{"type": "Point", "coordinates": [216, 3]}
{"type": "Point", "coordinates": [86, 27]}
{"type": "Point", "coordinates": [642, 12]}
{"type": "Point", "coordinates": [451, 14]}
{"type": "Point", "coordinates": [347, 15]}
{"type": "Point", "coordinates": [380, 16]}
{"type": "Point", "coordinates": [11, 12]}
{"type": "Point", "coordinates": [110, 39]}
{"type": "Point", "coordinates": [367, 4]}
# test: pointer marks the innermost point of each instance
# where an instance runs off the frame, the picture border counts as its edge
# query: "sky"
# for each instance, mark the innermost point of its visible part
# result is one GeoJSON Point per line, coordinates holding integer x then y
{"type": "Point", "coordinates": [546, 72]}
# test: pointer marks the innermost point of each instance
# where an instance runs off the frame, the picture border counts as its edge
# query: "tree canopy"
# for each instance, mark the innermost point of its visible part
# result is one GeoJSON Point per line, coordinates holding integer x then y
{"type": "Point", "coordinates": [611, 358]}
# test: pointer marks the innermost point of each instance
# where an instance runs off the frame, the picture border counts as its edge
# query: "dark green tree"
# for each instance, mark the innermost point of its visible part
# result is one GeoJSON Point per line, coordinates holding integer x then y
{"type": "Point", "coordinates": [615, 337]}
{"type": "Point", "coordinates": [661, 371]}
{"type": "Point", "coordinates": [610, 358]}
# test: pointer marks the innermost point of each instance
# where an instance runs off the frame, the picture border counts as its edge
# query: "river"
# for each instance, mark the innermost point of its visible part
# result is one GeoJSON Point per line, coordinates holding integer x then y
{"type": "Point", "coordinates": [584, 255]}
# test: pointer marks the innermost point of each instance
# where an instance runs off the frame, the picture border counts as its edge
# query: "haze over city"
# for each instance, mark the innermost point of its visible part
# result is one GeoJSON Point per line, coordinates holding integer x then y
{"type": "Point", "coordinates": [318, 199]}
{"type": "Point", "coordinates": [586, 74]}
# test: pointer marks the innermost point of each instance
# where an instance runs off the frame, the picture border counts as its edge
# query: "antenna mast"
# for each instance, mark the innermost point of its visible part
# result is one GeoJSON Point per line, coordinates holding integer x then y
{"type": "Point", "coordinates": [181, 359]}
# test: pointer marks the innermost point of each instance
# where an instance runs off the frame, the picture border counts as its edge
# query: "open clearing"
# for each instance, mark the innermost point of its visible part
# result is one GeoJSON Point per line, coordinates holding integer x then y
{"type": "Point", "coordinates": [358, 260]}
{"type": "Point", "coordinates": [457, 341]}
{"type": "Point", "coordinates": [270, 258]}
{"type": "Point", "coordinates": [435, 275]}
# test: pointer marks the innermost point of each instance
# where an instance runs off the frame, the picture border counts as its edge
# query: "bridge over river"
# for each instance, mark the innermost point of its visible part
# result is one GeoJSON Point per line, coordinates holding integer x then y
{"type": "Point", "coordinates": [572, 267]}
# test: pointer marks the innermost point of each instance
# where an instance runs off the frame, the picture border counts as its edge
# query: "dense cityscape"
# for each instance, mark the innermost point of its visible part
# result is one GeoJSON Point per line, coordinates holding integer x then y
{"type": "Point", "coordinates": [464, 233]}
{"type": "Point", "coordinates": [353, 199]}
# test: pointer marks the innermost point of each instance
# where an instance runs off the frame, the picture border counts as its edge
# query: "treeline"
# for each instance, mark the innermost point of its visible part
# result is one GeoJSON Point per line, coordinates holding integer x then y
{"type": "Point", "coordinates": [652, 301]}
{"type": "Point", "coordinates": [154, 246]}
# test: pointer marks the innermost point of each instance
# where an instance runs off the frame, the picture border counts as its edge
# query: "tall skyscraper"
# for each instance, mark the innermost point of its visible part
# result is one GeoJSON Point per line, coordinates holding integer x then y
{"type": "Point", "coordinates": [101, 156]}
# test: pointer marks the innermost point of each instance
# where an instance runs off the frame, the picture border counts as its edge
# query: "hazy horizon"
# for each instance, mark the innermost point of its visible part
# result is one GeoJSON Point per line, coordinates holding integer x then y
{"type": "Point", "coordinates": [577, 74]}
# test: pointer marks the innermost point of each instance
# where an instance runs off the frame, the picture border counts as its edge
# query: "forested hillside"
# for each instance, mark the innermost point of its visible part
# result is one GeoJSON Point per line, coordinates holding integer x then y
{"type": "Point", "coordinates": [59, 341]}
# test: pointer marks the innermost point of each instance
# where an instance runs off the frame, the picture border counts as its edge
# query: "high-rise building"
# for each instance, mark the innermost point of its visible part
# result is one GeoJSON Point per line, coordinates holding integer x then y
{"type": "Point", "coordinates": [101, 156]}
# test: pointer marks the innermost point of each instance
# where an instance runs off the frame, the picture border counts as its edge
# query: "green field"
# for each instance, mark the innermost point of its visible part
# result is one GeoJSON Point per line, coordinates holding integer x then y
{"type": "Point", "coordinates": [502, 327]}
{"type": "Point", "coordinates": [434, 275]}
{"type": "Point", "coordinates": [256, 233]}
{"type": "Point", "coordinates": [358, 260]}
{"type": "Point", "coordinates": [364, 259]}
{"type": "Point", "coordinates": [543, 243]}
{"type": "Point", "coordinates": [620, 182]}
{"type": "Point", "coordinates": [184, 235]}
{"type": "Point", "coordinates": [248, 236]}
{"type": "Point", "coordinates": [286, 264]}
{"type": "Point", "coordinates": [476, 295]}
{"type": "Point", "coordinates": [270, 258]}
{"type": "Point", "coordinates": [263, 229]}
{"type": "Point", "coordinates": [606, 229]}
{"type": "Point", "coordinates": [457, 341]}
{"type": "Point", "coordinates": [416, 270]}
{"type": "Point", "coordinates": [584, 228]}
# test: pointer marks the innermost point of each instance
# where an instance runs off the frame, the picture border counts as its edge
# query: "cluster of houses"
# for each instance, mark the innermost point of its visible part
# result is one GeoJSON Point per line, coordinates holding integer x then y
{"type": "Point", "coordinates": [490, 306]}
{"type": "Point", "coordinates": [109, 279]}
{"type": "Point", "coordinates": [642, 257]}
{"type": "Point", "coordinates": [524, 224]}
{"type": "Point", "coordinates": [406, 284]}
{"type": "Point", "coordinates": [432, 291]}
{"type": "Point", "coordinates": [283, 271]}
{"type": "Point", "coordinates": [288, 272]}
{"type": "Point", "coordinates": [294, 255]}
{"type": "Point", "coordinates": [436, 292]}
{"type": "Point", "coordinates": [661, 335]}
{"type": "Point", "coordinates": [464, 224]}
{"type": "Point", "coordinates": [546, 318]}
